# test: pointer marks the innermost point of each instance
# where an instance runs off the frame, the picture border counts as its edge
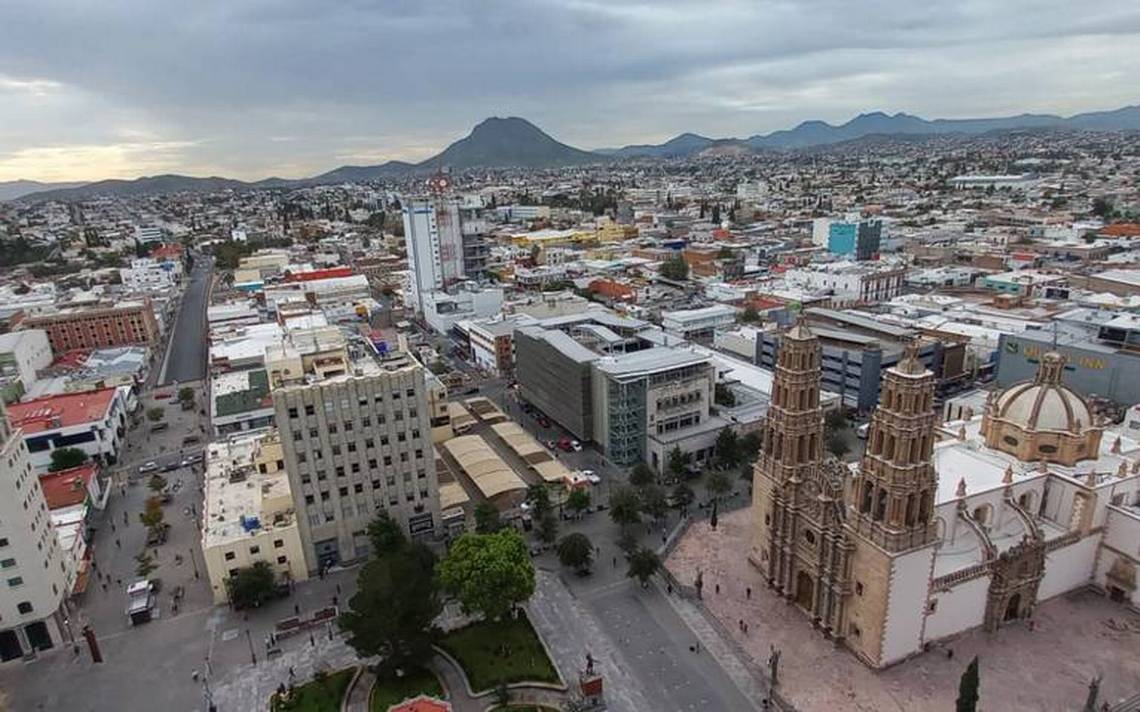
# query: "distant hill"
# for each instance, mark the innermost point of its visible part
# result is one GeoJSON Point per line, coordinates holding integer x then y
{"type": "Point", "coordinates": [815, 133]}
{"type": "Point", "coordinates": [509, 142]}
{"type": "Point", "coordinates": [515, 142]}
{"type": "Point", "coordinates": [677, 147]}
{"type": "Point", "coordinates": [10, 190]}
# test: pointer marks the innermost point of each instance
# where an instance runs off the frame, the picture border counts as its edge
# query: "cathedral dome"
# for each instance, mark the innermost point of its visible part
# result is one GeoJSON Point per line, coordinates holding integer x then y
{"type": "Point", "coordinates": [1042, 419]}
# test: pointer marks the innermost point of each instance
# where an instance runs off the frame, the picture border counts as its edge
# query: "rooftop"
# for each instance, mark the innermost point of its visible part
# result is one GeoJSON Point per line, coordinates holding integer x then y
{"type": "Point", "coordinates": [62, 411]}
{"type": "Point", "coordinates": [67, 488]}
{"type": "Point", "coordinates": [236, 493]}
{"type": "Point", "coordinates": [650, 361]}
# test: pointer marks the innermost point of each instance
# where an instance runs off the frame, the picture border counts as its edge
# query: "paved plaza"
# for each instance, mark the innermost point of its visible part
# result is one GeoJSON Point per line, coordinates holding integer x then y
{"type": "Point", "coordinates": [1075, 636]}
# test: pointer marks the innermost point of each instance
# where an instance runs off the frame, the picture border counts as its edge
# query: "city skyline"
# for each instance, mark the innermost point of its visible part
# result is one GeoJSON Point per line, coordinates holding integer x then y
{"type": "Point", "coordinates": [250, 92]}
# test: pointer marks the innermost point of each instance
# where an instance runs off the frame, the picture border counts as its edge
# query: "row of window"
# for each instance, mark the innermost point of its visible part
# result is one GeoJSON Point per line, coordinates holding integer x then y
{"type": "Point", "coordinates": [256, 549]}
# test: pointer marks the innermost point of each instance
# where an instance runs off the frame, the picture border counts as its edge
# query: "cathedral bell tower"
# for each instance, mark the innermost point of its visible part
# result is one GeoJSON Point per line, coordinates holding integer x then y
{"type": "Point", "coordinates": [790, 454]}
{"type": "Point", "coordinates": [891, 498]}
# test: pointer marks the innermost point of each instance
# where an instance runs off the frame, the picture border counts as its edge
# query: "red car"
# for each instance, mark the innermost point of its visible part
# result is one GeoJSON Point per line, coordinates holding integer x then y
{"type": "Point", "coordinates": [565, 445]}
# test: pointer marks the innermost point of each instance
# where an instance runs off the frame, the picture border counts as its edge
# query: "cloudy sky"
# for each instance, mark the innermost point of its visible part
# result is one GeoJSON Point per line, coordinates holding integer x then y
{"type": "Point", "coordinates": [250, 88]}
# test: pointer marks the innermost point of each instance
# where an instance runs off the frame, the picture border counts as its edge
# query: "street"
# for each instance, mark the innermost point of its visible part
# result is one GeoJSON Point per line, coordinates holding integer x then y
{"type": "Point", "coordinates": [185, 358]}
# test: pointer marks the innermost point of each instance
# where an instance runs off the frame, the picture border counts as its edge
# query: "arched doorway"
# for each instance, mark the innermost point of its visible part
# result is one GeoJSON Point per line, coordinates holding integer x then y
{"type": "Point", "coordinates": [805, 591]}
{"type": "Point", "coordinates": [1013, 608]}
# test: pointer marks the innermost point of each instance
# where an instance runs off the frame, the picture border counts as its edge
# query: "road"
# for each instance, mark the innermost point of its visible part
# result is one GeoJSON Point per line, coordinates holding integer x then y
{"type": "Point", "coordinates": [186, 349]}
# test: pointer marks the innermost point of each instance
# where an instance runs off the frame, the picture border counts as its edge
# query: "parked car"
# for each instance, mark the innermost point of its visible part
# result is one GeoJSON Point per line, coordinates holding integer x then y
{"type": "Point", "coordinates": [592, 477]}
{"type": "Point", "coordinates": [171, 466]}
{"type": "Point", "coordinates": [148, 467]}
{"type": "Point", "coordinates": [159, 427]}
{"type": "Point", "coordinates": [576, 446]}
{"type": "Point", "coordinates": [564, 445]}
{"type": "Point", "coordinates": [191, 440]}
{"type": "Point", "coordinates": [863, 430]}
{"type": "Point", "coordinates": [544, 421]}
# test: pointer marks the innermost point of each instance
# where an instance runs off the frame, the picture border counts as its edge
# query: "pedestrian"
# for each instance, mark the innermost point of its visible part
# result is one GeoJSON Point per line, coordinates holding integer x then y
{"type": "Point", "coordinates": [104, 587]}
{"type": "Point", "coordinates": [125, 522]}
{"type": "Point", "coordinates": [949, 653]}
{"type": "Point", "coordinates": [112, 526]}
{"type": "Point", "coordinates": [194, 675]}
{"type": "Point", "coordinates": [746, 629]}
{"type": "Point", "coordinates": [334, 601]}
{"type": "Point", "coordinates": [338, 589]}
{"type": "Point", "coordinates": [669, 589]}
{"type": "Point", "coordinates": [118, 545]}
{"type": "Point", "coordinates": [748, 593]}
{"type": "Point", "coordinates": [718, 588]}
{"type": "Point", "coordinates": [118, 582]}
{"type": "Point", "coordinates": [312, 641]}
{"type": "Point", "coordinates": [296, 609]}
{"type": "Point", "coordinates": [615, 562]}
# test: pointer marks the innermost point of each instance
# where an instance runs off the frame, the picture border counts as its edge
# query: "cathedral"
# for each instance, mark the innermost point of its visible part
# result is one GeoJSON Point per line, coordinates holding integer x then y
{"type": "Point", "coordinates": [941, 527]}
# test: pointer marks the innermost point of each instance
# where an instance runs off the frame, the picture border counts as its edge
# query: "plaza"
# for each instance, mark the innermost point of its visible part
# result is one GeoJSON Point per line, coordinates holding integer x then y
{"type": "Point", "coordinates": [1073, 637]}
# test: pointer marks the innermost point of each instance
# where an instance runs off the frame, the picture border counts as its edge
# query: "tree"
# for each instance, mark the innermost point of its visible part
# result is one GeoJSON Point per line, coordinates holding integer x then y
{"type": "Point", "coordinates": [547, 527]}
{"type": "Point", "coordinates": [156, 483]}
{"type": "Point", "coordinates": [392, 612]}
{"type": "Point", "coordinates": [675, 268]}
{"type": "Point", "coordinates": [835, 420]}
{"type": "Point", "coordinates": [578, 500]}
{"type": "Point", "coordinates": [539, 498]}
{"type": "Point", "coordinates": [576, 551]}
{"type": "Point", "coordinates": [750, 315]}
{"type": "Point", "coordinates": [155, 414]}
{"type": "Point", "coordinates": [250, 586]}
{"type": "Point", "coordinates": [386, 536]}
{"type": "Point", "coordinates": [837, 444]}
{"type": "Point", "coordinates": [641, 475]}
{"type": "Point", "coordinates": [186, 394]}
{"type": "Point", "coordinates": [66, 458]}
{"type": "Point", "coordinates": [1102, 208]}
{"type": "Point", "coordinates": [144, 565]}
{"type": "Point", "coordinates": [488, 573]}
{"type": "Point", "coordinates": [719, 484]}
{"type": "Point", "coordinates": [749, 446]}
{"type": "Point", "coordinates": [653, 501]}
{"type": "Point", "coordinates": [487, 519]}
{"type": "Point", "coordinates": [727, 448]}
{"type": "Point", "coordinates": [153, 515]}
{"type": "Point", "coordinates": [643, 563]}
{"type": "Point", "coordinates": [625, 507]}
{"type": "Point", "coordinates": [968, 688]}
{"type": "Point", "coordinates": [627, 540]}
{"type": "Point", "coordinates": [683, 494]}
{"type": "Point", "coordinates": [677, 461]}
{"type": "Point", "coordinates": [723, 395]}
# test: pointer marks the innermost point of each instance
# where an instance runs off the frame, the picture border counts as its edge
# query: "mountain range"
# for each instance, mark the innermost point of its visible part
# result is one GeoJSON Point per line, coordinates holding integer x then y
{"type": "Point", "coordinates": [515, 142]}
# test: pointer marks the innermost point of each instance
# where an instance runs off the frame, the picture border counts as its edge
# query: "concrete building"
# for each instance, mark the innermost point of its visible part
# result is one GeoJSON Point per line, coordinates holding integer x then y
{"type": "Point", "coordinates": [698, 325]}
{"type": "Point", "coordinates": [1099, 350]}
{"type": "Point", "coordinates": [492, 342]}
{"type": "Point", "coordinates": [93, 421]}
{"type": "Point", "coordinates": [1022, 283]}
{"type": "Point", "coordinates": [248, 512]}
{"type": "Point", "coordinates": [22, 354]}
{"type": "Point", "coordinates": [240, 401]}
{"type": "Point", "coordinates": [357, 443]}
{"type": "Point", "coordinates": [121, 324]}
{"type": "Point", "coordinates": [443, 310]}
{"type": "Point", "coordinates": [36, 578]}
{"type": "Point", "coordinates": [553, 372]}
{"type": "Point", "coordinates": [858, 350]}
{"type": "Point", "coordinates": [149, 275]}
{"type": "Point", "coordinates": [446, 245]}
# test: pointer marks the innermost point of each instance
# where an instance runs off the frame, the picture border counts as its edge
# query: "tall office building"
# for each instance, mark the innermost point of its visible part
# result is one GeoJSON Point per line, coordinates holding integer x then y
{"type": "Point", "coordinates": [355, 442]}
{"type": "Point", "coordinates": [859, 240]}
{"type": "Point", "coordinates": [33, 573]}
{"type": "Point", "coordinates": [445, 242]}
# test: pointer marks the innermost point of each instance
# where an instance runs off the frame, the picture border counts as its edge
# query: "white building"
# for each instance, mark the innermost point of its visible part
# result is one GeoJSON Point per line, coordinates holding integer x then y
{"type": "Point", "coordinates": [149, 233]}
{"type": "Point", "coordinates": [443, 310]}
{"type": "Point", "coordinates": [93, 421]}
{"type": "Point", "coordinates": [851, 282]}
{"type": "Point", "coordinates": [36, 576]}
{"type": "Point", "coordinates": [22, 354]}
{"type": "Point", "coordinates": [146, 274]}
{"type": "Point", "coordinates": [698, 324]}
{"type": "Point", "coordinates": [434, 240]}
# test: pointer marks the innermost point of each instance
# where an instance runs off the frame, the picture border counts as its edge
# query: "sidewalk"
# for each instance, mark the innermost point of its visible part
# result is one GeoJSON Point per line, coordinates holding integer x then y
{"type": "Point", "coordinates": [570, 631]}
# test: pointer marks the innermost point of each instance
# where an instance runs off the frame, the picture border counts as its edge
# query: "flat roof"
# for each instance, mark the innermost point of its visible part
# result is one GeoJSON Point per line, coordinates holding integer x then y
{"type": "Point", "coordinates": [863, 322]}
{"type": "Point", "coordinates": [62, 411]}
{"type": "Point", "coordinates": [646, 361]}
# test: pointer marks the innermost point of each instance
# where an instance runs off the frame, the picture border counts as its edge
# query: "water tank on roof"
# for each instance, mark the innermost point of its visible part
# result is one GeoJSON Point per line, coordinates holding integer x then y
{"type": "Point", "coordinates": [250, 524]}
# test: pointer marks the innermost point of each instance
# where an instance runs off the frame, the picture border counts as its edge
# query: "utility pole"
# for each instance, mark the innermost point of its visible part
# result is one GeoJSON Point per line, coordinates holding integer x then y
{"type": "Point", "coordinates": [194, 562]}
{"type": "Point", "coordinates": [252, 654]}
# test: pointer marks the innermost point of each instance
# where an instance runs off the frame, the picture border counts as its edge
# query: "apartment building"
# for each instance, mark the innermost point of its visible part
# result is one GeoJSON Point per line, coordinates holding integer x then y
{"type": "Point", "coordinates": [92, 421]}
{"type": "Point", "coordinates": [357, 443]}
{"type": "Point", "coordinates": [22, 354]}
{"type": "Point", "coordinates": [34, 577]}
{"type": "Point", "coordinates": [699, 325]}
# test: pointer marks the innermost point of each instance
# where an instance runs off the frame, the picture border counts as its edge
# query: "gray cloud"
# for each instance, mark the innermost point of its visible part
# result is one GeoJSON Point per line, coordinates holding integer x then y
{"type": "Point", "coordinates": [216, 85]}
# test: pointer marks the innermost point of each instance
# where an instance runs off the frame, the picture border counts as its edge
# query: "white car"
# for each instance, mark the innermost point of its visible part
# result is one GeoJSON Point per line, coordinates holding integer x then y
{"type": "Point", "coordinates": [148, 467]}
{"type": "Point", "coordinates": [592, 477]}
{"type": "Point", "coordinates": [576, 446]}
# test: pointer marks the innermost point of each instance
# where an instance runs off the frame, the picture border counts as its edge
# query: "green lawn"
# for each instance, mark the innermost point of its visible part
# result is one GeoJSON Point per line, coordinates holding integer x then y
{"type": "Point", "coordinates": [314, 696]}
{"type": "Point", "coordinates": [504, 651]}
{"type": "Point", "coordinates": [393, 690]}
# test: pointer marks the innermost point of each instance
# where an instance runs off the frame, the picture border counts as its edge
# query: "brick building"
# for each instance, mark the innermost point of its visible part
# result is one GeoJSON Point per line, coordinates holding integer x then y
{"type": "Point", "coordinates": [95, 327]}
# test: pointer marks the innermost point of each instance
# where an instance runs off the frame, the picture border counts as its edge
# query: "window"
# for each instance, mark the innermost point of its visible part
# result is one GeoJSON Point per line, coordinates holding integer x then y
{"type": "Point", "coordinates": [292, 412]}
{"type": "Point", "coordinates": [15, 581]}
{"type": "Point", "coordinates": [229, 556]}
{"type": "Point", "coordinates": [7, 563]}
{"type": "Point", "coordinates": [372, 463]}
{"type": "Point", "coordinates": [281, 559]}
{"type": "Point", "coordinates": [305, 479]}
{"type": "Point", "coordinates": [932, 605]}
{"type": "Point", "coordinates": [296, 435]}
{"type": "Point", "coordinates": [365, 422]}
{"type": "Point", "coordinates": [411, 392]}
{"type": "Point", "coordinates": [387, 459]}
{"type": "Point", "coordinates": [313, 433]}
{"type": "Point", "coordinates": [278, 543]}
{"type": "Point", "coordinates": [358, 488]}
{"type": "Point", "coordinates": [809, 536]}
{"type": "Point", "coordinates": [343, 491]}
{"type": "Point", "coordinates": [369, 443]}
{"type": "Point", "coordinates": [352, 447]}
{"type": "Point", "coordinates": [419, 454]}
{"type": "Point", "coordinates": [348, 426]}
{"type": "Point", "coordinates": [355, 467]}
{"type": "Point", "coordinates": [302, 457]}
{"type": "Point", "coordinates": [332, 427]}
{"type": "Point", "coordinates": [255, 549]}
{"type": "Point", "coordinates": [309, 410]}
{"type": "Point", "coordinates": [336, 449]}
{"type": "Point", "coordinates": [24, 607]}
{"type": "Point", "coordinates": [309, 499]}
{"type": "Point", "coordinates": [324, 496]}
